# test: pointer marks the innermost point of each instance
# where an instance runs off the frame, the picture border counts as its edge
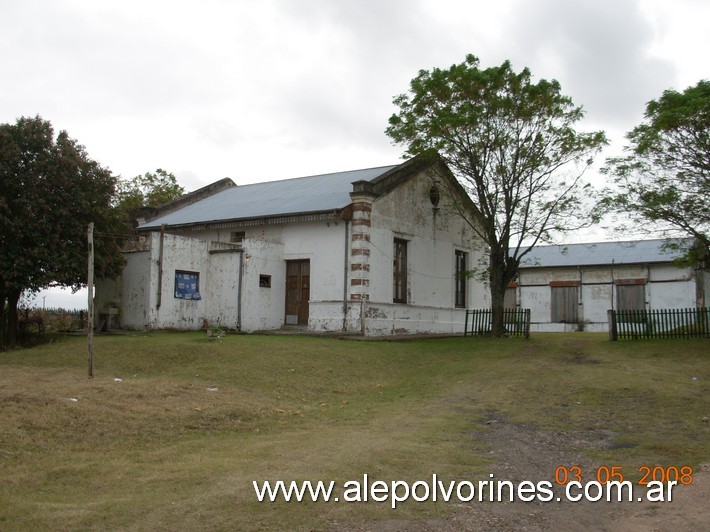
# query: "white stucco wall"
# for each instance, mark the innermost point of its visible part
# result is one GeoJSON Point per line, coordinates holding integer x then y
{"type": "Point", "coordinates": [263, 307]}
{"type": "Point", "coordinates": [667, 287]}
{"type": "Point", "coordinates": [433, 236]}
{"type": "Point", "coordinates": [221, 289]}
{"type": "Point", "coordinates": [130, 293]}
{"type": "Point", "coordinates": [671, 287]}
{"type": "Point", "coordinates": [385, 319]}
{"type": "Point", "coordinates": [323, 243]}
{"type": "Point", "coordinates": [136, 300]}
{"type": "Point", "coordinates": [267, 247]}
{"type": "Point", "coordinates": [186, 255]}
{"type": "Point", "coordinates": [143, 306]}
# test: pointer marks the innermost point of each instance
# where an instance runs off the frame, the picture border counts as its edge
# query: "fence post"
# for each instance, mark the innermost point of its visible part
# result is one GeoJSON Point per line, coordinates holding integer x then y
{"type": "Point", "coordinates": [611, 316]}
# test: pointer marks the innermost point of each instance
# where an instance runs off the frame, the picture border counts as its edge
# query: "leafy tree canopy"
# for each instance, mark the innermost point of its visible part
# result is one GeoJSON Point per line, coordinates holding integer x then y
{"type": "Point", "coordinates": [663, 180]}
{"type": "Point", "coordinates": [512, 145]}
{"type": "Point", "coordinates": [49, 192]}
{"type": "Point", "coordinates": [148, 190]}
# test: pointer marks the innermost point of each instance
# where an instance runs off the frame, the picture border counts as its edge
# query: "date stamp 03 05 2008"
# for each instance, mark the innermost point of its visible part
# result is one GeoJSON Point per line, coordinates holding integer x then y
{"type": "Point", "coordinates": [682, 475]}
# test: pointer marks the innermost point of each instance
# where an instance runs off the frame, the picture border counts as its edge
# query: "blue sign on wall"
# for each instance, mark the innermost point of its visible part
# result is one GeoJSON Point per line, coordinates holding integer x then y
{"type": "Point", "coordinates": [187, 285]}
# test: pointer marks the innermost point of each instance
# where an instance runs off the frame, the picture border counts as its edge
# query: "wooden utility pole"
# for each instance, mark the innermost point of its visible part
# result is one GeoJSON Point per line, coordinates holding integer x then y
{"type": "Point", "coordinates": [90, 283]}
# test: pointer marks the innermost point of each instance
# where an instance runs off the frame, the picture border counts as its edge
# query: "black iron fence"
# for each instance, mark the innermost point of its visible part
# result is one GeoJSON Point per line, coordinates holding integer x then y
{"type": "Point", "coordinates": [516, 321]}
{"type": "Point", "coordinates": [659, 323]}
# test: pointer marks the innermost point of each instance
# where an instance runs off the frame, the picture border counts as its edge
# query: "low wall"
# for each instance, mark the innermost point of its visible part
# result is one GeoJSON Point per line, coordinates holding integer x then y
{"type": "Point", "coordinates": [568, 327]}
{"type": "Point", "coordinates": [384, 319]}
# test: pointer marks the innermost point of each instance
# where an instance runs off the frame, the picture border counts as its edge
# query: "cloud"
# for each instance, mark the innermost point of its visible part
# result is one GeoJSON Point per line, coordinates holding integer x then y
{"type": "Point", "coordinates": [599, 51]}
{"type": "Point", "coordinates": [277, 89]}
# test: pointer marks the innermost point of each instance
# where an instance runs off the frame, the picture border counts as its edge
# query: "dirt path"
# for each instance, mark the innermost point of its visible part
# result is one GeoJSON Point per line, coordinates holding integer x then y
{"type": "Point", "coordinates": [524, 453]}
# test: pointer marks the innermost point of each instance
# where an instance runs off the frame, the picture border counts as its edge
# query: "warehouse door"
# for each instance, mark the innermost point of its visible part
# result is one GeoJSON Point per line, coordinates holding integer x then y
{"type": "Point", "coordinates": [298, 286]}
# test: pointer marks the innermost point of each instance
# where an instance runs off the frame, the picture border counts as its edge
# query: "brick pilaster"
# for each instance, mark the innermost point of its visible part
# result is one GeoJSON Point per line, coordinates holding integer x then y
{"type": "Point", "coordinates": [360, 248]}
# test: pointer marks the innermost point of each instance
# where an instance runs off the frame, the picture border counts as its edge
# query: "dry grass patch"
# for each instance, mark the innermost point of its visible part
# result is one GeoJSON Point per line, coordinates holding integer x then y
{"type": "Point", "coordinates": [177, 442]}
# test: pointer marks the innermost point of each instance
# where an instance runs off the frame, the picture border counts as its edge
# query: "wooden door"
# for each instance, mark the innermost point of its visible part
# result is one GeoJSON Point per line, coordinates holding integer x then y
{"type": "Point", "coordinates": [298, 291]}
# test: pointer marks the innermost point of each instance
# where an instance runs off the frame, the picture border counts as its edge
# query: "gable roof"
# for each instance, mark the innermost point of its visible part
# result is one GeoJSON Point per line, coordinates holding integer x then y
{"type": "Point", "coordinates": [312, 194]}
{"type": "Point", "coordinates": [602, 253]}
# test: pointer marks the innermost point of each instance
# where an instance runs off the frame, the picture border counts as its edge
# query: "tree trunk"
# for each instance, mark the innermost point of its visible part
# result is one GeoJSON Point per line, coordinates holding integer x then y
{"type": "Point", "coordinates": [13, 296]}
{"type": "Point", "coordinates": [3, 316]}
{"type": "Point", "coordinates": [497, 297]}
{"type": "Point", "coordinates": [498, 283]}
{"type": "Point", "coordinates": [3, 325]}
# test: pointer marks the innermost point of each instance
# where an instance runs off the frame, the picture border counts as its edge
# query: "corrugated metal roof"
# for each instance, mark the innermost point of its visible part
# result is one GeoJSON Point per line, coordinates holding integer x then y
{"type": "Point", "coordinates": [274, 198]}
{"type": "Point", "coordinates": [600, 253]}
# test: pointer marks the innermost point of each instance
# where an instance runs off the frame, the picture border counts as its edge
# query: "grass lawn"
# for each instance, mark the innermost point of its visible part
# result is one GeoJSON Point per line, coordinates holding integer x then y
{"type": "Point", "coordinates": [174, 427]}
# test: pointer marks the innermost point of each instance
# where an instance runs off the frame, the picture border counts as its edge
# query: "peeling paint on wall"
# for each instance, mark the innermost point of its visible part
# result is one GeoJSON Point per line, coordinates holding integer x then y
{"type": "Point", "coordinates": [355, 296]}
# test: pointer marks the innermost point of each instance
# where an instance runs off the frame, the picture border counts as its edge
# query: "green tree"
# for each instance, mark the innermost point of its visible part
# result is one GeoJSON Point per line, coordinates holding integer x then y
{"type": "Point", "coordinates": [512, 145]}
{"type": "Point", "coordinates": [49, 192]}
{"type": "Point", "coordinates": [663, 181]}
{"type": "Point", "coordinates": [147, 190]}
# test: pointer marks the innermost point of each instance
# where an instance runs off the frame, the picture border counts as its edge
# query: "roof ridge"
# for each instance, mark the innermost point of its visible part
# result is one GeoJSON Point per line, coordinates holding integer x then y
{"type": "Point", "coordinates": [320, 175]}
{"type": "Point", "coordinates": [596, 242]}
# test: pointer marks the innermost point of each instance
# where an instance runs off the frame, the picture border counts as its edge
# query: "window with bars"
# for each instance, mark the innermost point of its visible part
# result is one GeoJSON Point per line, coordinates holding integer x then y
{"type": "Point", "coordinates": [236, 237]}
{"type": "Point", "coordinates": [399, 271]}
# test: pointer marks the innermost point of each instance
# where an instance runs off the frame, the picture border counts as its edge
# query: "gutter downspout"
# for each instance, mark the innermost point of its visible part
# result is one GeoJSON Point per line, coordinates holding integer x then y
{"type": "Point", "coordinates": [345, 276]}
{"type": "Point", "coordinates": [160, 267]}
{"type": "Point", "coordinates": [646, 295]}
{"type": "Point", "coordinates": [612, 284]}
{"type": "Point", "coordinates": [580, 300]}
{"type": "Point", "coordinates": [239, 290]}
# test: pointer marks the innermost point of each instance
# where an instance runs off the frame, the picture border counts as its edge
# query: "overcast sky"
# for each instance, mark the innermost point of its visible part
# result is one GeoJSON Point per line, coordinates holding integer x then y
{"type": "Point", "coordinates": [259, 90]}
